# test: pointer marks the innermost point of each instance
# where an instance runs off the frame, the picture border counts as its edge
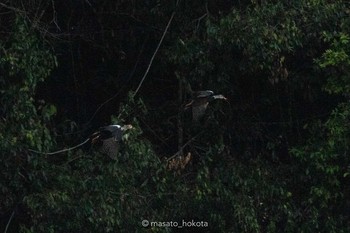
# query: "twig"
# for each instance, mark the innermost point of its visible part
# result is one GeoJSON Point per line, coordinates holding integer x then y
{"type": "Point", "coordinates": [12, 8]}
{"type": "Point", "coordinates": [180, 150]}
{"type": "Point", "coordinates": [148, 68]}
{"type": "Point", "coordinates": [8, 223]}
{"type": "Point", "coordinates": [59, 151]}
{"type": "Point", "coordinates": [154, 133]}
{"type": "Point", "coordinates": [180, 119]}
{"type": "Point", "coordinates": [54, 17]}
{"type": "Point", "coordinates": [155, 52]}
{"type": "Point", "coordinates": [73, 159]}
{"type": "Point", "coordinates": [118, 92]}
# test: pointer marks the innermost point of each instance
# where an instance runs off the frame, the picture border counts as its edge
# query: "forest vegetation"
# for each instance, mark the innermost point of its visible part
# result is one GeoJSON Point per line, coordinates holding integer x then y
{"type": "Point", "coordinates": [273, 157]}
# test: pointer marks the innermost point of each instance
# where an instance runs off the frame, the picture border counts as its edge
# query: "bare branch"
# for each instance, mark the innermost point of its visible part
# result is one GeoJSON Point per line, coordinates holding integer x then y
{"type": "Point", "coordinates": [155, 52]}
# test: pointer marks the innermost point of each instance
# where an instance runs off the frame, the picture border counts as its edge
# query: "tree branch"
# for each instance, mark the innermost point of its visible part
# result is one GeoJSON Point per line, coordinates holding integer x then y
{"type": "Point", "coordinates": [155, 52]}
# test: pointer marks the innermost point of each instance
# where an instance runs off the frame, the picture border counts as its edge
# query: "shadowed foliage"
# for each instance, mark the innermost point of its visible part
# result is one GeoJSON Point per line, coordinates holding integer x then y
{"type": "Point", "coordinates": [272, 157]}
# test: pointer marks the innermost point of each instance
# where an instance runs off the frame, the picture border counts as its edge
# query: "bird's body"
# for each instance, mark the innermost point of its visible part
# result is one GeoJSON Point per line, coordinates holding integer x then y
{"type": "Point", "coordinates": [109, 138]}
{"type": "Point", "coordinates": [200, 103]}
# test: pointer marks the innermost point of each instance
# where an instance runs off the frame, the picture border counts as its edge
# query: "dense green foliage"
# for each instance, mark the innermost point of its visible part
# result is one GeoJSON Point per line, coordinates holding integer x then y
{"type": "Point", "coordinates": [273, 158]}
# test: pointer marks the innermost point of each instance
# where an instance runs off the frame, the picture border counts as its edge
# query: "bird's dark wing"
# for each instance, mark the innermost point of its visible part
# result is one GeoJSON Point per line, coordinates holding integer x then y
{"type": "Point", "coordinates": [117, 134]}
{"type": "Point", "coordinates": [104, 134]}
{"type": "Point", "coordinates": [110, 147]}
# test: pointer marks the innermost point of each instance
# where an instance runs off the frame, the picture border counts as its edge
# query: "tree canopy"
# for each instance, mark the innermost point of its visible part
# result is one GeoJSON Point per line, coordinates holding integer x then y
{"type": "Point", "coordinates": [274, 157]}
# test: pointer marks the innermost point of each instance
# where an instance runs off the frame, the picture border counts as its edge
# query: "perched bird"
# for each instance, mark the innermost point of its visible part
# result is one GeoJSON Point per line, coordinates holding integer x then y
{"type": "Point", "coordinates": [200, 103]}
{"type": "Point", "coordinates": [109, 137]}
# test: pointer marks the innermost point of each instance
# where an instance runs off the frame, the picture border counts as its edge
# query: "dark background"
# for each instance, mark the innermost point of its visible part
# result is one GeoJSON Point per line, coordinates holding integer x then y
{"type": "Point", "coordinates": [273, 158]}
